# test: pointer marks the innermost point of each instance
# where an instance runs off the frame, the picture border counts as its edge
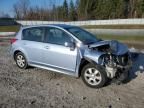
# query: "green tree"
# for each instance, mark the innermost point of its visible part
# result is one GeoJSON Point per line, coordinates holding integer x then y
{"type": "Point", "coordinates": [120, 9]}
{"type": "Point", "coordinates": [105, 9]}
{"type": "Point", "coordinates": [77, 8]}
{"type": "Point", "coordinates": [81, 8]}
{"type": "Point", "coordinates": [72, 12]}
{"type": "Point", "coordinates": [60, 13]}
{"type": "Point", "coordinates": [87, 9]}
{"type": "Point", "coordinates": [113, 9]}
{"type": "Point", "coordinates": [65, 10]}
{"type": "Point", "coordinates": [142, 8]}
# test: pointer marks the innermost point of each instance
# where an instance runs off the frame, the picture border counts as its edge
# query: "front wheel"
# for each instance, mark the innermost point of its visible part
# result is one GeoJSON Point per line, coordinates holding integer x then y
{"type": "Point", "coordinates": [94, 76]}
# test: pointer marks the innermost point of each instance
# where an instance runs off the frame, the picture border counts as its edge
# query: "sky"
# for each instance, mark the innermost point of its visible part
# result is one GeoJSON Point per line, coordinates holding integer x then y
{"type": "Point", "coordinates": [6, 6]}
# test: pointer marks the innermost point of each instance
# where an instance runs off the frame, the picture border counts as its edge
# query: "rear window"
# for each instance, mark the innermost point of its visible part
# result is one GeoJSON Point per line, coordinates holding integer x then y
{"type": "Point", "coordinates": [34, 34]}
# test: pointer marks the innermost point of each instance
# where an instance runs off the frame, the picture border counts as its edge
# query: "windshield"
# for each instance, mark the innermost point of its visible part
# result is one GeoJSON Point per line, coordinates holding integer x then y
{"type": "Point", "coordinates": [82, 35]}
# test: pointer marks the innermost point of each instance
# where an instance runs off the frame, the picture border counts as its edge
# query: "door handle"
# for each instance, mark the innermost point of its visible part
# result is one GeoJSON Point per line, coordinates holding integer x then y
{"type": "Point", "coordinates": [46, 47]}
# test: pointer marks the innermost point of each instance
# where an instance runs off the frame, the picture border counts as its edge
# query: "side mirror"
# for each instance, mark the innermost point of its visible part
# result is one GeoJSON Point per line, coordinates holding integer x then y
{"type": "Point", "coordinates": [71, 45]}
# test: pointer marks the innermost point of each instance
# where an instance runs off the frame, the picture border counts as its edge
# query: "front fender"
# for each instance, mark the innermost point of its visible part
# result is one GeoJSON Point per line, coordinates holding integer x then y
{"type": "Point", "coordinates": [93, 55]}
{"type": "Point", "coordinates": [89, 55]}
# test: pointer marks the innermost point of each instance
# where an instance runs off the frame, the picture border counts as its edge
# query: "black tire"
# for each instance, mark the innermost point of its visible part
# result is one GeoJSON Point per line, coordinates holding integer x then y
{"type": "Point", "coordinates": [101, 73]}
{"type": "Point", "coordinates": [25, 64]}
{"type": "Point", "coordinates": [124, 78]}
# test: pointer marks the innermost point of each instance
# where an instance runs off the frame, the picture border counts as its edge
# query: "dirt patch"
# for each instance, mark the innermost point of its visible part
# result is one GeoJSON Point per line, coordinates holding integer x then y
{"type": "Point", "coordinates": [38, 88]}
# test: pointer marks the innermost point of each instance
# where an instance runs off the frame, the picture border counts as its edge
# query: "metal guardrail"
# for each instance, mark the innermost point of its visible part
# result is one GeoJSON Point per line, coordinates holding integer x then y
{"type": "Point", "coordinates": [6, 33]}
{"type": "Point", "coordinates": [89, 22]}
{"type": "Point", "coordinates": [5, 37]}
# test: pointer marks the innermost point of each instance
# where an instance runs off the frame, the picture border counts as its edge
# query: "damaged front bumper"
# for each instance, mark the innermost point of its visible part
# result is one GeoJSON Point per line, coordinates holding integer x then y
{"type": "Point", "coordinates": [116, 71]}
{"type": "Point", "coordinates": [127, 67]}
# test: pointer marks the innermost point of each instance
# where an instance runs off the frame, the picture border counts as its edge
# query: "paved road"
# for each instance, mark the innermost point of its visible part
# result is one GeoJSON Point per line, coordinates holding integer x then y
{"type": "Point", "coordinates": [118, 32]}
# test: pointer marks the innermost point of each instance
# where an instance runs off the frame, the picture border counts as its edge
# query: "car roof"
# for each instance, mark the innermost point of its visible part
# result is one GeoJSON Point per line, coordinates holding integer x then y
{"type": "Point", "coordinates": [49, 25]}
{"type": "Point", "coordinates": [62, 25]}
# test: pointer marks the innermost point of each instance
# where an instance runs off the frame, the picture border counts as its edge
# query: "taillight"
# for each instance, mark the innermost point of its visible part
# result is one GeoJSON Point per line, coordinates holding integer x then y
{"type": "Point", "coordinates": [13, 40]}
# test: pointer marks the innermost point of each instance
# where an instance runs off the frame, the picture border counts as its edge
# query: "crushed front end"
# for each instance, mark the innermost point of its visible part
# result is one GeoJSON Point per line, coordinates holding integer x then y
{"type": "Point", "coordinates": [115, 58]}
{"type": "Point", "coordinates": [117, 66]}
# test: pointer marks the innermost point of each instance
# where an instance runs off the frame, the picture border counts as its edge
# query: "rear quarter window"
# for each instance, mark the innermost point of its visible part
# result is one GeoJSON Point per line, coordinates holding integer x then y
{"type": "Point", "coordinates": [33, 34]}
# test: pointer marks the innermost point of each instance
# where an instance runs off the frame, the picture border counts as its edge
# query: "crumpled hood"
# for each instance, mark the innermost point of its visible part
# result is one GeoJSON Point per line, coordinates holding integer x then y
{"type": "Point", "coordinates": [116, 47]}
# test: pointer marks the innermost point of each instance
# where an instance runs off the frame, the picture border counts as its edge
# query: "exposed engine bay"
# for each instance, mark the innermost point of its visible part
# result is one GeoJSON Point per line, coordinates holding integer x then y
{"type": "Point", "coordinates": [114, 58]}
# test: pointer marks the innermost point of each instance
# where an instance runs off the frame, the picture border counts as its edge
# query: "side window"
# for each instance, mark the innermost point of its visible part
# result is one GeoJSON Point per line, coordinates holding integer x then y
{"type": "Point", "coordinates": [57, 36]}
{"type": "Point", "coordinates": [34, 34]}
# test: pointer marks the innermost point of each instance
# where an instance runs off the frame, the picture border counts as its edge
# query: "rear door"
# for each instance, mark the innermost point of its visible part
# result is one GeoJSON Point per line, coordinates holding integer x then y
{"type": "Point", "coordinates": [56, 54]}
{"type": "Point", "coordinates": [32, 43]}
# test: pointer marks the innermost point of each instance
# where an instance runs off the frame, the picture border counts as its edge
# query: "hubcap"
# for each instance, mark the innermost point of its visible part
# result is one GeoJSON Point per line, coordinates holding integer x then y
{"type": "Point", "coordinates": [20, 61]}
{"type": "Point", "coordinates": [92, 76]}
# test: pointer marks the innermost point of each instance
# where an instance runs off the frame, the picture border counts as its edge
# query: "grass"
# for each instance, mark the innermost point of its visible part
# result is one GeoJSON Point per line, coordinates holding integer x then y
{"type": "Point", "coordinates": [13, 28]}
{"type": "Point", "coordinates": [121, 26]}
{"type": "Point", "coordinates": [122, 38]}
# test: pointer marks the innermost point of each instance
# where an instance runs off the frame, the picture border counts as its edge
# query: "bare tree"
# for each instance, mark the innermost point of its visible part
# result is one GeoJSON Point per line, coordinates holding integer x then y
{"type": "Point", "coordinates": [21, 9]}
{"type": "Point", "coordinates": [17, 12]}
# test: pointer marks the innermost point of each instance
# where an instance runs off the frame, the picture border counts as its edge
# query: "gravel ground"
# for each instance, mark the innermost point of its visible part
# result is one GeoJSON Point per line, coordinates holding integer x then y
{"type": "Point", "coordinates": [38, 88]}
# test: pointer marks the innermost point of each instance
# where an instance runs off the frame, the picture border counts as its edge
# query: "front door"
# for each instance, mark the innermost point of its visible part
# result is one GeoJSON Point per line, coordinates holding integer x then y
{"type": "Point", "coordinates": [56, 54]}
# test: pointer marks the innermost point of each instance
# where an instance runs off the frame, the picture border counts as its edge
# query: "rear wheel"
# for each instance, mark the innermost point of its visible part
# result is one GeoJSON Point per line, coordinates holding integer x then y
{"type": "Point", "coordinates": [94, 76]}
{"type": "Point", "coordinates": [21, 60]}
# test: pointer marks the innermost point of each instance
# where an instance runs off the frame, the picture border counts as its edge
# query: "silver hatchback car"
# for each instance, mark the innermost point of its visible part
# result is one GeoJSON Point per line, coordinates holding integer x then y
{"type": "Point", "coordinates": [73, 51]}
